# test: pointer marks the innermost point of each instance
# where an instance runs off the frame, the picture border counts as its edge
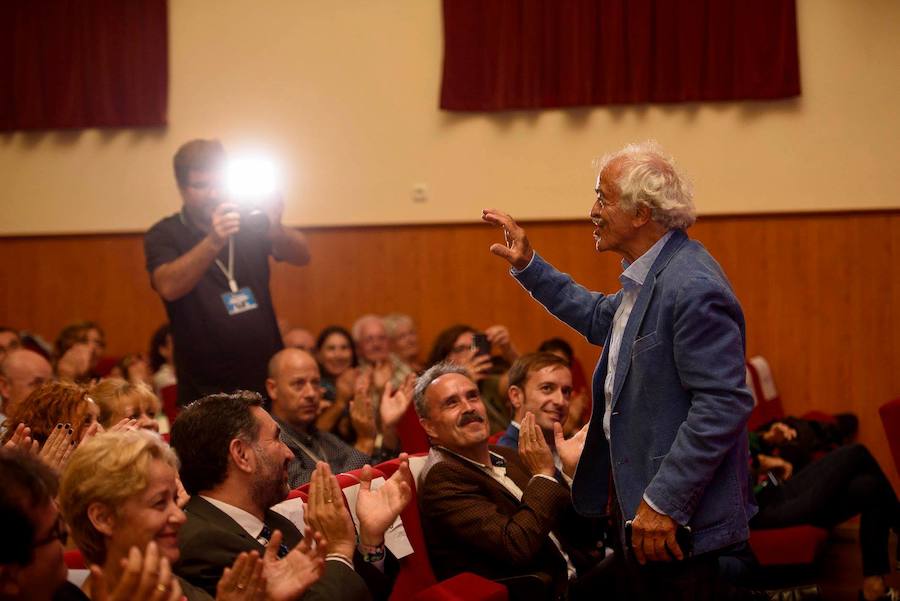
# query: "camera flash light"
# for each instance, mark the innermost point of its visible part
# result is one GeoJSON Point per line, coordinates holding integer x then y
{"type": "Point", "coordinates": [251, 177]}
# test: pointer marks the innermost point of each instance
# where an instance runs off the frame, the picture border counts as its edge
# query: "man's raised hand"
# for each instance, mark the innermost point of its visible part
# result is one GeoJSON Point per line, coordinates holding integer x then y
{"type": "Point", "coordinates": [517, 249]}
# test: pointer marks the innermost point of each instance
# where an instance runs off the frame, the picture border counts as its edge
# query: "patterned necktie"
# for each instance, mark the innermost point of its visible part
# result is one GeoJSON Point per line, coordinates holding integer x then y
{"type": "Point", "coordinates": [266, 536]}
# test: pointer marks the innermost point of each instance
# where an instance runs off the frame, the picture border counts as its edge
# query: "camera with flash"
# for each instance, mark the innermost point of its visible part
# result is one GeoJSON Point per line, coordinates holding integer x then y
{"type": "Point", "coordinates": [251, 182]}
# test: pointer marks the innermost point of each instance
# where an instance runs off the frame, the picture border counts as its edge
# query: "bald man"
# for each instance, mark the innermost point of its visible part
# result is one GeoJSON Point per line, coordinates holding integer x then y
{"type": "Point", "coordinates": [299, 338]}
{"type": "Point", "coordinates": [21, 371]}
{"type": "Point", "coordinates": [294, 386]}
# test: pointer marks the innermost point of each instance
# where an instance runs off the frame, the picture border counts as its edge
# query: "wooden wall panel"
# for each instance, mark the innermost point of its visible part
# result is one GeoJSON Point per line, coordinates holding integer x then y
{"type": "Point", "coordinates": [820, 292]}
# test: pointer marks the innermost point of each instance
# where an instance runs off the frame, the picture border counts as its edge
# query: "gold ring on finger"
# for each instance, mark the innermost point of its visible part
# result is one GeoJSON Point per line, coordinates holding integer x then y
{"type": "Point", "coordinates": [161, 587]}
{"type": "Point", "coordinates": [241, 587]}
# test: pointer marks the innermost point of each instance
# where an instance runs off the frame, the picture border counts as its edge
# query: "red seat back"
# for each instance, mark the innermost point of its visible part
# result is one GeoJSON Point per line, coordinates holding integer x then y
{"type": "Point", "coordinates": [169, 396]}
{"type": "Point", "coordinates": [415, 570]}
{"type": "Point", "coordinates": [412, 437]}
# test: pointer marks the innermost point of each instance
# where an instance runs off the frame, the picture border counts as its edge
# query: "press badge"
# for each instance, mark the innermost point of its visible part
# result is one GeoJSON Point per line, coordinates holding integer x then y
{"type": "Point", "coordinates": [240, 301]}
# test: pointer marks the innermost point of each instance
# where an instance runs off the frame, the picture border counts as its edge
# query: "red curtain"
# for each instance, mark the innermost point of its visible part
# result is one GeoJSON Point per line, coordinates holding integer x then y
{"type": "Point", "coordinates": [528, 54]}
{"type": "Point", "coordinates": [83, 63]}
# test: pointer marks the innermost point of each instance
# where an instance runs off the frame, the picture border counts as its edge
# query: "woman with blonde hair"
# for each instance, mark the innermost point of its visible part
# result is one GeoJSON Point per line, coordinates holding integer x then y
{"type": "Point", "coordinates": [118, 496]}
{"type": "Point", "coordinates": [119, 399]}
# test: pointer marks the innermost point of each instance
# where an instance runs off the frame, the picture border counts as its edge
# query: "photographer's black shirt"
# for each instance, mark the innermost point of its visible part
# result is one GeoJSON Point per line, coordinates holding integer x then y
{"type": "Point", "coordinates": [215, 351]}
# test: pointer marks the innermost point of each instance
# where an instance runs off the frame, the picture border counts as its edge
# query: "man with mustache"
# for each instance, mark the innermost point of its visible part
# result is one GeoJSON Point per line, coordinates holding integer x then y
{"type": "Point", "coordinates": [503, 515]}
{"type": "Point", "coordinates": [667, 444]}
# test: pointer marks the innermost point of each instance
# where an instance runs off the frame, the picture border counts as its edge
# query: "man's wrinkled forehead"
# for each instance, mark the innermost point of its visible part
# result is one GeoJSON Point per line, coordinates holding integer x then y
{"type": "Point", "coordinates": [447, 386]}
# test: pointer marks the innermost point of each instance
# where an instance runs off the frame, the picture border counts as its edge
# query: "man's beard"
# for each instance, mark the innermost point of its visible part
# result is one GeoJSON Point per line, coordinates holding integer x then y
{"type": "Point", "coordinates": [269, 487]}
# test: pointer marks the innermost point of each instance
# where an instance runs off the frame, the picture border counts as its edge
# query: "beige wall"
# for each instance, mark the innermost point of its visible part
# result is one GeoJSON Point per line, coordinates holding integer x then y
{"type": "Point", "coordinates": [345, 93]}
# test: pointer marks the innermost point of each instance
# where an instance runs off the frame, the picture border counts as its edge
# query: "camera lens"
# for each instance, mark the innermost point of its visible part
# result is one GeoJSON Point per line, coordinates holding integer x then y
{"type": "Point", "coordinates": [256, 221]}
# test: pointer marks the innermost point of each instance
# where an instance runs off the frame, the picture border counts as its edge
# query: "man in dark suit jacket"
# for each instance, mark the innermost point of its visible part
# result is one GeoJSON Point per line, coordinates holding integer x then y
{"type": "Point", "coordinates": [235, 468]}
{"type": "Point", "coordinates": [493, 511]}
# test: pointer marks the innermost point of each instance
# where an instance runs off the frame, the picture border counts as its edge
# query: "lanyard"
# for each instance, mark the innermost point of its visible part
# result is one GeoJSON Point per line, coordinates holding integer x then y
{"type": "Point", "coordinates": [229, 273]}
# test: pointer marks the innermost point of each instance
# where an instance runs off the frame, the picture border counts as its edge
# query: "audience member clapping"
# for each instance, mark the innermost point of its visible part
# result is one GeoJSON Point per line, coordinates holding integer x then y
{"type": "Point", "coordinates": [119, 497]}
{"type": "Point", "coordinates": [336, 355]}
{"type": "Point", "coordinates": [236, 467]}
{"type": "Point", "coordinates": [404, 340]}
{"type": "Point", "coordinates": [120, 400]}
{"type": "Point", "coordinates": [78, 349]}
{"type": "Point", "coordinates": [294, 387]}
{"type": "Point", "coordinates": [373, 346]}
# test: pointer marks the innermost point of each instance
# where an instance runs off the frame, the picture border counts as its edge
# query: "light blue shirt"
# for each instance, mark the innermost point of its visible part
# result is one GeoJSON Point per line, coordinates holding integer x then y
{"type": "Point", "coordinates": [632, 279]}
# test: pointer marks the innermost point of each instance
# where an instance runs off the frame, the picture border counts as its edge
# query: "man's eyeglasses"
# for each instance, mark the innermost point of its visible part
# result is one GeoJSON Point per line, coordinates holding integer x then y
{"type": "Point", "coordinates": [59, 533]}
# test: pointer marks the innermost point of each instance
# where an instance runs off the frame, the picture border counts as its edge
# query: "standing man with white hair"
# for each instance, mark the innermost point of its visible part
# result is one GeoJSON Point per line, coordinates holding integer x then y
{"type": "Point", "coordinates": [668, 450]}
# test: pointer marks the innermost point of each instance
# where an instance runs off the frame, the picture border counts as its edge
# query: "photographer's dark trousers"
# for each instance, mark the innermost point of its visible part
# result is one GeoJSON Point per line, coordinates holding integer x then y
{"type": "Point", "coordinates": [844, 483]}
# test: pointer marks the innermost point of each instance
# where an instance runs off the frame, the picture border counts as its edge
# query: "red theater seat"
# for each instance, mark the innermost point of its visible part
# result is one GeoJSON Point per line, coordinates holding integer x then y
{"type": "Point", "coordinates": [416, 579]}
{"type": "Point", "coordinates": [787, 546]}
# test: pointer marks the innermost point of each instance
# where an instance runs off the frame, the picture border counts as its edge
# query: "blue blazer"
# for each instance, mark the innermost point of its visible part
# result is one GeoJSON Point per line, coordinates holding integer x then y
{"type": "Point", "coordinates": [510, 438]}
{"type": "Point", "coordinates": [680, 402]}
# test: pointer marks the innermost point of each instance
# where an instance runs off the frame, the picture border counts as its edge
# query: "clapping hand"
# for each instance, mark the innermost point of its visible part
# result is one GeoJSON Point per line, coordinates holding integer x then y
{"type": "Point", "coordinates": [394, 403]}
{"type": "Point", "coordinates": [517, 249]}
{"type": "Point", "coordinates": [146, 577]}
{"type": "Point", "coordinates": [569, 451]}
{"type": "Point", "coordinates": [21, 439]}
{"type": "Point", "coordinates": [533, 448]}
{"type": "Point", "coordinates": [244, 580]}
{"type": "Point", "coordinates": [58, 448]}
{"type": "Point", "coordinates": [377, 509]}
{"type": "Point", "coordinates": [289, 577]}
{"type": "Point", "coordinates": [75, 362]}
{"type": "Point", "coordinates": [326, 513]}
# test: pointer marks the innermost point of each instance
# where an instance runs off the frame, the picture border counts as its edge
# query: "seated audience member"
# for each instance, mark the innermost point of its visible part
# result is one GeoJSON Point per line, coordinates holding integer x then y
{"type": "Point", "coordinates": [161, 365]}
{"type": "Point", "coordinates": [457, 345]}
{"type": "Point", "coordinates": [800, 441]}
{"type": "Point", "coordinates": [841, 484]}
{"type": "Point", "coordinates": [294, 388]}
{"type": "Point", "coordinates": [119, 399]}
{"type": "Point", "coordinates": [299, 338]}
{"type": "Point", "coordinates": [119, 497]}
{"type": "Point", "coordinates": [55, 406]}
{"type": "Point", "coordinates": [493, 511]}
{"type": "Point", "coordinates": [235, 466]}
{"type": "Point", "coordinates": [373, 347]}
{"type": "Point", "coordinates": [336, 355]}
{"type": "Point", "coordinates": [21, 372]}
{"type": "Point", "coordinates": [134, 368]}
{"type": "Point", "coordinates": [404, 340]}
{"type": "Point", "coordinates": [9, 341]}
{"type": "Point", "coordinates": [540, 384]}
{"type": "Point", "coordinates": [77, 351]}
{"type": "Point", "coordinates": [580, 404]}
{"type": "Point", "coordinates": [34, 537]}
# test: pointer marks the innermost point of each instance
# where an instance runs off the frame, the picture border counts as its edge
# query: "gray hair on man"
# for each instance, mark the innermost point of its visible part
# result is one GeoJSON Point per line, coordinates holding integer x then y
{"type": "Point", "coordinates": [648, 176]}
{"type": "Point", "coordinates": [359, 324]}
{"type": "Point", "coordinates": [393, 321]}
{"type": "Point", "coordinates": [426, 379]}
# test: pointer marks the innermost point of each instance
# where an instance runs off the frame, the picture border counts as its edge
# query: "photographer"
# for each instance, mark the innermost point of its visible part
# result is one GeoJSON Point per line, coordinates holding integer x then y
{"type": "Point", "coordinates": [210, 264]}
